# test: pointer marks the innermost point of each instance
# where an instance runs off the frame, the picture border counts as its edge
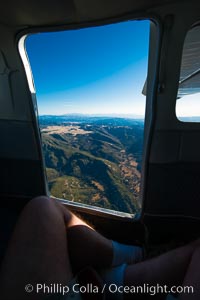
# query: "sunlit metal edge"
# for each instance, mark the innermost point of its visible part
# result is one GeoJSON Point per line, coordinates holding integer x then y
{"type": "Point", "coordinates": [97, 210]}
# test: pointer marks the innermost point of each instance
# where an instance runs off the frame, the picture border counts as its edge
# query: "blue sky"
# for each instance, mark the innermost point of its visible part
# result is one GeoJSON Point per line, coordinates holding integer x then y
{"type": "Point", "coordinates": [98, 70]}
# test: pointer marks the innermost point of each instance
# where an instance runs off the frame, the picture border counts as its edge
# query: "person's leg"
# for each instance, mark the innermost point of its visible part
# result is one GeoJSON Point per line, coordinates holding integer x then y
{"type": "Point", "coordinates": [86, 246]}
{"type": "Point", "coordinates": [167, 269]}
{"type": "Point", "coordinates": [89, 248]}
{"type": "Point", "coordinates": [37, 253]}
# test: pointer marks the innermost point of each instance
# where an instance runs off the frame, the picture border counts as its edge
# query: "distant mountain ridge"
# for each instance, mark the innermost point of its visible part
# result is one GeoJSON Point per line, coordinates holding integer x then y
{"type": "Point", "coordinates": [114, 115]}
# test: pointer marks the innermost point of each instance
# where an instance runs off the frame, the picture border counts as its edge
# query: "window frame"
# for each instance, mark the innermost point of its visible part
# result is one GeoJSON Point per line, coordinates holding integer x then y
{"type": "Point", "coordinates": [179, 118]}
{"type": "Point", "coordinates": [153, 65]}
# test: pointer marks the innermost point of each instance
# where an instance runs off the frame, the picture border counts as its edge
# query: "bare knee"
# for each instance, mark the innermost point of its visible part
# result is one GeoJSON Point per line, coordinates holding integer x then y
{"type": "Point", "coordinates": [40, 204]}
{"type": "Point", "coordinates": [41, 209]}
{"type": "Point", "coordinates": [44, 205]}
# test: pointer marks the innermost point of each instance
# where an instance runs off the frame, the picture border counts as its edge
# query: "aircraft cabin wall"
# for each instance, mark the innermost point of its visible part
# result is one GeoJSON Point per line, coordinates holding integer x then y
{"type": "Point", "coordinates": [173, 171]}
{"type": "Point", "coordinates": [21, 168]}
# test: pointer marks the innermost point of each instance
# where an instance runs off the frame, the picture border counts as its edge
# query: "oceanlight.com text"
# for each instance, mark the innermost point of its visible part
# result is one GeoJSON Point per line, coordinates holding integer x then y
{"type": "Point", "coordinates": [90, 288]}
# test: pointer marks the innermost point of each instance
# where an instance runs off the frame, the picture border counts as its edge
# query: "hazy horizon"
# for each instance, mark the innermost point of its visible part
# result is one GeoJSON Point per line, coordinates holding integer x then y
{"type": "Point", "coordinates": [125, 116]}
{"type": "Point", "coordinates": [93, 114]}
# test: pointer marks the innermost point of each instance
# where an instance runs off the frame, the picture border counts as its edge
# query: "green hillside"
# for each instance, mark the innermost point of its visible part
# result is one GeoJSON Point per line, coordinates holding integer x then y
{"type": "Point", "coordinates": [93, 164]}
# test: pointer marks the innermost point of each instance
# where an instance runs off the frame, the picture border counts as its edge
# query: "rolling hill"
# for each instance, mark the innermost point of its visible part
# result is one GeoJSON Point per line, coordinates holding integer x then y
{"type": "Point", "coordinates": [94, 160]}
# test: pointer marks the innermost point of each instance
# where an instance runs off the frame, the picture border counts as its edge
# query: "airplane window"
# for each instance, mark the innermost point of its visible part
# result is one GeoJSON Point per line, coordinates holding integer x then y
{"type": "Point", "coordinates": [188, 98]}
{"type": "Point", "coordinates": [91, 111]}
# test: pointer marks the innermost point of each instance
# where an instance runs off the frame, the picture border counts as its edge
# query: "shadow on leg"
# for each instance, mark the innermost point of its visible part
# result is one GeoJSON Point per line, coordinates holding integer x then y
{"type": "Point", "coordinates": [86, 246]}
